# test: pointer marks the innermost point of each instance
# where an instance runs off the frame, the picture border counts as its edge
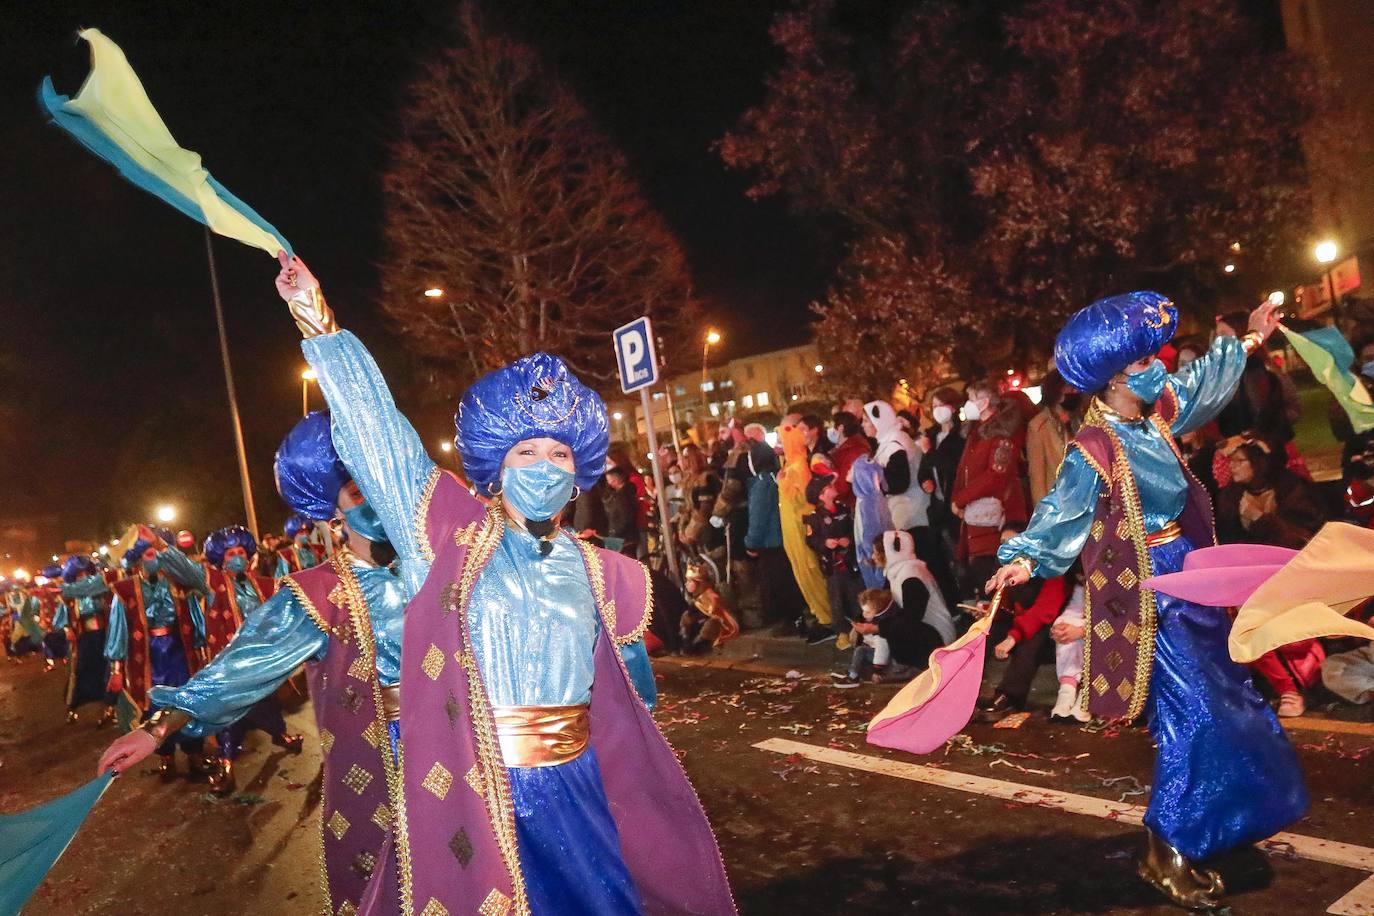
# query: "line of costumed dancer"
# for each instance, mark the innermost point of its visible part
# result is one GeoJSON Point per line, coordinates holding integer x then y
{"type": "Point", "coordinates": [1225, 774]}
{"type": "Point", "coordinates": [478, 676]}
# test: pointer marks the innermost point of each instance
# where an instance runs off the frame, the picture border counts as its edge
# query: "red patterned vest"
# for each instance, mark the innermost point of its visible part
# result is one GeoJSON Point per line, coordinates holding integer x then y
{"type": "Point", "coordinates": [361, 786]}
{"type": "Point", "coordinates": [138, 673]}
{"type": "Point", "coordinates": [1119, 615]}
{"type": "Point", "coordinates": [223, 617]}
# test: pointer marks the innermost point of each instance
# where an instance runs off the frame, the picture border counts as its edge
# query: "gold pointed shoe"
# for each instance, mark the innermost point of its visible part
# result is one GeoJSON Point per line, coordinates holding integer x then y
{"type": "Point", "coordinates": [1170, 873]}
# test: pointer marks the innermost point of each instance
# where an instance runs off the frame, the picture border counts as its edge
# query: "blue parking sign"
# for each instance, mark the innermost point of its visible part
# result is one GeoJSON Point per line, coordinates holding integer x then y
{"type": "Point", "coordinates": [634, 353]}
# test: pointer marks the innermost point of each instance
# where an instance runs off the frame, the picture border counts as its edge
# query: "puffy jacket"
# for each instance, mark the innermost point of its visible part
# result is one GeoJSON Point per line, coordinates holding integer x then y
{"type": "Point", "coordinates": [765, 520]}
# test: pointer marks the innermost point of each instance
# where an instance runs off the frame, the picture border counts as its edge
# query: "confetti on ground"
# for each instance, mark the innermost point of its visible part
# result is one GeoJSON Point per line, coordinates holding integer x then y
{"type": "Point", "coordinates": [1015, 720]}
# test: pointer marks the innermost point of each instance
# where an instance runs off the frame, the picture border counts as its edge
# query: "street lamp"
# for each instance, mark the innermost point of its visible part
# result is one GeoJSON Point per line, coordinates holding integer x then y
{"type": "Point", "coordinates": [1230, 268]}
{"type": "Point", "coordinates": [21, 574]}
{"type": "Point", "coordinates": [819, 368]}
{"type": "Point", "coordinates": [446, 446]}
{"type": "Point", "coordinates": [710, 340]}
{"type": "Point", "coordinates": [1326, 252]}
{"type": "Point", "coordinates": [307, 376]}
{"type": "Point", "coordinates": [433, 292]}
{"type": "Point", "coordinates": [166, 513]}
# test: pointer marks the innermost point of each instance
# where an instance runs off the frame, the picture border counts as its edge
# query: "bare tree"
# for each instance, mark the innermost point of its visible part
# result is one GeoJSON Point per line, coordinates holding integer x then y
{"type": "Point", "coordinates": [504, 194]}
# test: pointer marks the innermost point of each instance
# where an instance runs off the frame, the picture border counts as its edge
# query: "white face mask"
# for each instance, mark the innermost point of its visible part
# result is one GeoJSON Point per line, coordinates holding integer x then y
{"type": "Point", "coordinates": [942, 413]}
{"type": "Point", "coordinates": [973, 412]}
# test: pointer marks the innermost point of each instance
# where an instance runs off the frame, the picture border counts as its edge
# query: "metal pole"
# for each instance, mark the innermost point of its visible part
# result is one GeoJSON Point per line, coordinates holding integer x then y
{"type": "Point", "coordinates": [672, 414]}
{"type": "Point", "coordinates": [229, 386]}
{"type": "Point", "coordinates": [665, 532]}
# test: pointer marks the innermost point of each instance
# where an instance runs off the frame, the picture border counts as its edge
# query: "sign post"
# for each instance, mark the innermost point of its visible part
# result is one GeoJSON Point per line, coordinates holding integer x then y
{"type": "Point", "coordinates": [638, 363]}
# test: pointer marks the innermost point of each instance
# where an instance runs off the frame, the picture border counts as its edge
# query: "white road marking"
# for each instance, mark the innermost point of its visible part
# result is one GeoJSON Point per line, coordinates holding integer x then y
{"type": "Point", "coordinates": [1358, 901]}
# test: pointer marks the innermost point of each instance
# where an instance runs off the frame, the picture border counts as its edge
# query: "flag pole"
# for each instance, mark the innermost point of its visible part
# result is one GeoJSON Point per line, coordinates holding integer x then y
{"type": "Point", "coordinates": [229, 386]}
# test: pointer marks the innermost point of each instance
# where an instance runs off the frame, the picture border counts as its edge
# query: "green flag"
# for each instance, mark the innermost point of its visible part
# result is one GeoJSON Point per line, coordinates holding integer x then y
{"type": "Point", "coordinates": [1329, 356]}
{"type": "Point", "coordinates": [32, 841]}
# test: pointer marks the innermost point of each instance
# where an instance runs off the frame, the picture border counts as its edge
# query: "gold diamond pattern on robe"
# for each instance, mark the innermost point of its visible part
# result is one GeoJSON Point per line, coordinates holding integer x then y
{"type": "Point", "coordinates": [1124, 689]}
{"type": "Point", "coordinates": [434, 908]}
{"type": "Point", "coordinates": [357, 779]}
{"type": "Point", "coordinates": [1114, 660]}
{"type": "Point", "coordinates": [1131, 632]}
{"type": "Point", "coordinates": [1127, 579]}
{"type": "Point", "coordinates": [374, 733]}
{"type": "Point", "coordinates": [1098, 530]}
{"type": "Point", "coordinates": [1103, 630]}
{"type": "Point", "coordinates": [338, 825]}
{"type": "Point", "coordinates": [337, 596]}
{"type": "Point", "coordinates": [359, 669]}
{"type": "Point", "coordinates": [363, 864]}
{"type": "Point", "coordinates": [1097, 579]}
{"type": "Point", "coordinates": [347, 908]}
{"type": "Point", "coordinates": [326, 740]}
{"type": "Point", "coordinates": [382, 817]}
{"type": "Point", "coordinates": [433, 664]}
{"type": "Point", "coordinates": [438, 780]}
{"type": "Point", "coordinates": [1123, 529]}
{"type": "Point", "coordinates": [496, 904]}
{"type": "Point", "coordinates": [475, 781]}
{"type": "Point", "coordinates": [1100, 684]}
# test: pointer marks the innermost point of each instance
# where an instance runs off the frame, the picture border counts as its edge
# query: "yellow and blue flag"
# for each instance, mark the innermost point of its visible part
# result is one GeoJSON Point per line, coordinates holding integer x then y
{"type": "Point", "coordinates": [1329, 356]}
{"type": "Point", "coordinates": [112, 116]}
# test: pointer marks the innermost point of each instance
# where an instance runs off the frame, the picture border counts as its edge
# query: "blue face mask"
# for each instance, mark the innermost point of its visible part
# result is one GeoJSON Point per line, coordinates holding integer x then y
{"type": "Point", "coordinates": [539, 490]}
{"type": "Point", "coordinates": [365, 523]}
{"type": "Point", "coordinates": [1148, 384]}
{"type": "Point", "coordinates": [1367, 370]}
{"type": "Point", "coordinates": [236, 564]}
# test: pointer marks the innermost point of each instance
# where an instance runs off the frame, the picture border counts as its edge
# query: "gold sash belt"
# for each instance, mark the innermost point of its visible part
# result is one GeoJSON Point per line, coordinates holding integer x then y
{"type": "Point", "coordinates": [1166, 535]}
{"type": "Point", "coordinates": [542, 736]}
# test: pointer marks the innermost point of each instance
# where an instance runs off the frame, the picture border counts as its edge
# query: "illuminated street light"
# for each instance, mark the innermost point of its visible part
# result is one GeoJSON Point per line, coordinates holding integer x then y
{"type": "Point", "coordinates": [308, 375]}
{"type": "Point", "coordinates": [445, 446]}
{"type": "Point", "coordinates": [617, 416]}
{"type": "Point", "coordinates": [21, 574]}
{"type": "Point", "coordinates": [166, 513]}
{"type": "Point", "coordinates": [1277, 297]}
{"type": "Point", "coordinates": [433, 292]}
{"type": "Point", "coordinates": [104, 550]}
{"type": "Point", "coordinates": [819, 368]}
{"type": "Point", "coordinates": [1326, 251]}
{"type": "Point", "coordinates": [1235, 246]}
{"type": "Point", "coordinates": [713, 337]}
{"type": "Point", "coordinates": [55, 558]}
{"type": "Point", "coordinates": [1230, 268]}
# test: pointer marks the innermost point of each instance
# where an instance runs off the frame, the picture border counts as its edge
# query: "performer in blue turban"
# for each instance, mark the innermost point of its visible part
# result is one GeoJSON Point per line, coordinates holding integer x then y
{"type": "Point", "coordinates": [296, 551]}
{"type": "Point", "coordinates": [85, 612]}
{"type": "Point", "coordinates": [572, 801]}
{"type": "Point", "coordinates": [341, 618]}
{"type": "Point", "coordinates": [1225, 774]}
{"type": "Point", "coordinates": [237, 593]}
{"type": "Point", "coordinates": [49, 597]}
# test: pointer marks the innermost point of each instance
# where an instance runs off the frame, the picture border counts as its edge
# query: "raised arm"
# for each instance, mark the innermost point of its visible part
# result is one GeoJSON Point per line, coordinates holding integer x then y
{"type": "Point", "coordinates": [183, 570]}
{"type": "Point", "coordinates": [376, 442]}
{"type": "Point", "coordinates": [1205, 386]}
{"type": "Point", "coordinates": [89, 587]}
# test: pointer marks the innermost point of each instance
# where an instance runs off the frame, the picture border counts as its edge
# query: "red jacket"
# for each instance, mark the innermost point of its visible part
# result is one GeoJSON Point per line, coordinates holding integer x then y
{"type": "Point", "coordinates": [991, 466]}
{"type": "Point", "coordinates": [1041, 613]}
{"type": "Point", "coordinates": [843, 458]}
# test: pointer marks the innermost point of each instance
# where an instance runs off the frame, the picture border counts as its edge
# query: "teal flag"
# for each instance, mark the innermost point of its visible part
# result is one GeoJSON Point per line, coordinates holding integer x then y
{"type": "Point", "coordinates": [32, 842]}
{"type": "Point", "coordinates": [1329, 356]}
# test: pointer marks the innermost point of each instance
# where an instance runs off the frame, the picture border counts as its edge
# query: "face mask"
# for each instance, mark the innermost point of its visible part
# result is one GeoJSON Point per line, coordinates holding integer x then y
{"type": "Point", "coordinates": [972, 412]}
{"type": "Point", "coordinates": [1148, 384]}
{"type": "Point", "coordinates": [539, 490]}
{"type": "Point", "coordinates": [833, 435]}
{"type": "Point", "coordinates": [236, 564]}
{"type": "Point", "coordinates": [151, 566]}
{"type": "Point", "coordinates": [717, 522]}
{"type": "Point", "coordinates": [303, 538]}
{"type": "Point", "coordinates": [942, 414]}
{"type": "Point", "coordinates": [1367, 370]}
{"type": "Point", "coordinates": [675, 477]}
{"type": "Point", "coordinates": [364, 522]}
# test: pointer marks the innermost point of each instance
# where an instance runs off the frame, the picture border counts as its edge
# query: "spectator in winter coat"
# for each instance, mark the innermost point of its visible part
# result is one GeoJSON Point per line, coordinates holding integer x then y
{"type": "Point", "coordinates": [830, 533]}
{"type": "Point", "coordinates": [779, 598]}
{"type": "Point", "coordinates": [622, 511]}
{"type": "Point", "coordinates": [1264, 505]}
{"type": "Point", "coordinates": [850, 445]}
{"type": "Point", "coordinates": [1266, 404]}
{"type": "Point", "coordinates": [1048, 433]}
{"type": "Point", "coordinates": [589, 512]}
{"type": "Point", "coordinates": [940, 465]}
{"type": "Point", "coordinates": [989, 479]}
{"type": "Point", "coordinates": [913, 585]}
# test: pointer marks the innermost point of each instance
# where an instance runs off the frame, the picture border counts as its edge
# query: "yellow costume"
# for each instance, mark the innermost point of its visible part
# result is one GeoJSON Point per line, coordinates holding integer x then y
{"type": "Point", "coordinates": [793, 509]}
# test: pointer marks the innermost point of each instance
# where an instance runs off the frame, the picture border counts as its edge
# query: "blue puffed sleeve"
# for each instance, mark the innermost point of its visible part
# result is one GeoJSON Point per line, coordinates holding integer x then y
{"type": "Point", "coordinates": [1206, 385]}
{"type": "Point", "coordinates": [283, 568]}
{"type": "Point", "coordinates": [193, 604]}
{"type": "Point", "coordinates": [376, 442]}
{"type": "Point", "coordinates": [59, 619]}
{"type": "Point", "coordinates": [275, 638]}
{"type": "Point", "coordinates": [1059, 528]}
{"type": "Point", "coordinates": [89, 587]}
{"type": "Point", "coordinates": [183, 570]}
{"type": "Point", "coordinates": [117, 636]}
{"type": "Point", "coordinates": [636, 658]}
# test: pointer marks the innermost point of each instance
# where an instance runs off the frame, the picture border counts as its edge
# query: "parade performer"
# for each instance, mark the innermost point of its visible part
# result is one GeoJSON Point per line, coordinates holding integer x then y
{"type": "Point", "coordinates": [85, 613]}
{"type": "Point", "coordinates": [297, 553]}
{"type": "Point", "coordinates": [1225, 775]}
{"type": "Point", "coordinates": [25, 634]}
{"type": "Point", "coordinates": [237, 593]}
{"type": "Point", "coordinates": [49, 595]}
{"type": "Point", "coordinates": [523, 663]}
{"type": "Point", "coordinates": [157, 632]}
{"type": "Point", "coordinates": [343, 619]}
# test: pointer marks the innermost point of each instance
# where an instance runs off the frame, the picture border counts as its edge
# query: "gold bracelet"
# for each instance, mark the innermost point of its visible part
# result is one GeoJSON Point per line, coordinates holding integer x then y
{"type": "Point", "coordinates": [164, 722]}
{"type": "Point", "coordinates": [1025, 563]}
{"type": "Point", "coordinates": [1251, 342]}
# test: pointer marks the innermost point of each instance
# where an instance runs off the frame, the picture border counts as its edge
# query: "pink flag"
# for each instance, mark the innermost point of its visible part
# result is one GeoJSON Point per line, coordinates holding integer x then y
{"type": "Point", "coordinates": [935, 706]}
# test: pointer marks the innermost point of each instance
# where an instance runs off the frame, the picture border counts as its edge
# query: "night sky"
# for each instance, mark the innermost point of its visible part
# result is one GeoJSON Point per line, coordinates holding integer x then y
{"type": "Point", "coordinates": [111, 393]}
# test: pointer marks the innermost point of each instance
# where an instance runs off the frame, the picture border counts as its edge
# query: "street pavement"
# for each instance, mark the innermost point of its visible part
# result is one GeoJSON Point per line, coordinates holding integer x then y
{"type": "Point", "coordinates": [810, 819]}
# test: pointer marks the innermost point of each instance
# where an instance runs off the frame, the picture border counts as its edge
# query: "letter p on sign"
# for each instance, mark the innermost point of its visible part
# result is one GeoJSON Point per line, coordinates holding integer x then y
{"type": "Point", "coordinates": [634, 354]}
